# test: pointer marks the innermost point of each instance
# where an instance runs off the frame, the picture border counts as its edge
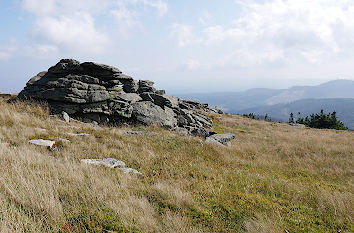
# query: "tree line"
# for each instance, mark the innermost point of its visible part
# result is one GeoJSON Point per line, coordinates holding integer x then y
{"type": "Point", "coordinates": [257, 117]}
{"type": "Point", "coordinates": [320, 120]}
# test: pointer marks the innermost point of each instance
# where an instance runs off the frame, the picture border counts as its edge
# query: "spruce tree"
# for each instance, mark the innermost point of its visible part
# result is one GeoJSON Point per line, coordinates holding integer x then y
{"type": "Point", "coordinates": [291, 118]}
{"type": "Point", "coordinates": [321, 121]}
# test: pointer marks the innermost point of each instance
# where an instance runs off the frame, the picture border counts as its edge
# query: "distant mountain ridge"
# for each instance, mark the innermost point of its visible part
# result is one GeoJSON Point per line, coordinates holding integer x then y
{"type": "Point", "coordinates": [235, 101]}
{"type": "Point", "coordinates": [336, 95]}
{"type": "Point", "coordinates": [332, 89]}
{"type": "Point", "coordinates": [281, 112]}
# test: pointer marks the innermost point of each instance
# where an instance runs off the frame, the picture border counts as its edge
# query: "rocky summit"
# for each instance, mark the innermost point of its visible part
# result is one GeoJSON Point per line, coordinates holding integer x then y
{"type": "Point", "coordinates": [100, 93]}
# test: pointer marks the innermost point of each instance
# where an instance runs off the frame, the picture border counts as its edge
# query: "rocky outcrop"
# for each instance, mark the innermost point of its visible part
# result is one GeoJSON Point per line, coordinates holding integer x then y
{"type": "Point", "coordinates": [94, 92]}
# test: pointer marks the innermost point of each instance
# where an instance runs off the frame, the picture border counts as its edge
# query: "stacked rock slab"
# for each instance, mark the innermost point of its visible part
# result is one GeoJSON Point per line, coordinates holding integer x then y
{"type": "Point", "coordinates": [95, 92]}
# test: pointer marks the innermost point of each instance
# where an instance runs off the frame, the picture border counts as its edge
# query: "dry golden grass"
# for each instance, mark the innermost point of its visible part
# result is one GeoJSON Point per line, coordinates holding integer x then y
{"type": "Point", "coordinates": [273, 178]}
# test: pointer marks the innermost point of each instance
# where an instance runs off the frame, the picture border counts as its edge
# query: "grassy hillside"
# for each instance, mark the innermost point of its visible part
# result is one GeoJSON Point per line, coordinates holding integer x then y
{"type": "Point", "coordinates": [273, 178]}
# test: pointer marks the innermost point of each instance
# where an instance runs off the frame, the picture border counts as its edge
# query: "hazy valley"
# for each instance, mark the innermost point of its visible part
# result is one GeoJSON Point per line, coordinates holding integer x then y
{"type": "Point", "coordinates": [337, 95]}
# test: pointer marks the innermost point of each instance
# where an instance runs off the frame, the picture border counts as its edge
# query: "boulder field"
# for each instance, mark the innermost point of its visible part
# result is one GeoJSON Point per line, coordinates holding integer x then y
{"type": "Point", "coordinates": [93, 92]}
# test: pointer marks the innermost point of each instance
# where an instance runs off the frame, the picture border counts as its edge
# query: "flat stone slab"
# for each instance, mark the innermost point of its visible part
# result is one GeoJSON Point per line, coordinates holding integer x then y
{"type": "Point", "coordinates": [108, 162]}
{"type": "Point", "coordinates": [41, 142]}
{"type": "Point", "coordinates": [210, 140]}
{"type": "Point", "coordinates": [129, 170]}
{"type": "Point", "coordinates": [79, 134]}
{"type": "Point", "coordinates": [223, 138]}
{"type": "Point", "coordinates": [111, 163]}
{"type": "Point", "coordinates": [64, 140]}
{"type": "Point", "coordinates": [140, 133]}
{"type": "Point", "coordinates": [298, 125]}
{"type": "Point", "coordinates": [40, 130]}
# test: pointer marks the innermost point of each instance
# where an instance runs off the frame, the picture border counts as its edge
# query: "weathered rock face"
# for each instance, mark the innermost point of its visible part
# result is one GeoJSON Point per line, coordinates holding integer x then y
{"type": "Point", "coordinates": [102, 93]}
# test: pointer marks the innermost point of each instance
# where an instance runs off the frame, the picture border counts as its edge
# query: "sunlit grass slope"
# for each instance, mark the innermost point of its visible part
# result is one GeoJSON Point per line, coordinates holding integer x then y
{"type": "Point", "coordinates": [273, 178]}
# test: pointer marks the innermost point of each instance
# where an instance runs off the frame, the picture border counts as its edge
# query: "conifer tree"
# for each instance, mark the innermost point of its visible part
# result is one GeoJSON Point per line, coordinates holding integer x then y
{"type": "Point", "coordinates": [291, 118]}
{"type": "Point", "coordinates": [321, 121]}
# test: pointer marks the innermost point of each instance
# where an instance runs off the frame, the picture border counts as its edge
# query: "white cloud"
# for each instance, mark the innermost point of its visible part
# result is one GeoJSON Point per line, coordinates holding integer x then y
{"type": "Point", "coordinates": [8, 50]}
{"type": "Point", "coordinates": [126, 20]}
{"type": "Point", "coordinates": [300, 29]}
{"type": "Point", "coordinates": [69, 25]}
{"type": "Point", "coordinates": [89, 6]}
{"type": "Point", "coordinates": [72, 25]}
{"type": "Point", "coordinates": [74, 32]}
{"type": "Point", "coordinates": [183, 34]}
{"type": "Point", "coordinates": [206, 16]}
{"type": "Point", "coordinates": [43, 50]}
{"type": "Point", "coordinates": [192, 64]}
{"type": "Point", "coordinates": [159, 5]}
{"type": "Point", "coordinates": [13, 49]}
{"type": "Point", "coordinates": [39, 7]}
{"type": "Point", "coordinates": [59, 7]}
{"type": "Point", "coordinates": [126, 15]}
{"type": "Point", "coordinates": [278, 32]}
{"type": "Point", "coordinates": [39, 51]}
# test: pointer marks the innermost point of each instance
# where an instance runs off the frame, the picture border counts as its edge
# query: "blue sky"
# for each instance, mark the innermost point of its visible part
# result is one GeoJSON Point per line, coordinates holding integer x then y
{"type": "Point", "coordinates": [184, 46]}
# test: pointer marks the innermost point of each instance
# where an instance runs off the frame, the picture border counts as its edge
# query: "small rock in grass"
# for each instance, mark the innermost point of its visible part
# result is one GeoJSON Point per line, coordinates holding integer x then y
{"type": "Point", "coordinates": [199, 131]}
{"type": "Point", "coordinates": [108, 162]}
{"type": "Point", "coordinates": [140, 133]}
{"type": "Point", "coordinates": [41, 142]}
{"type": "Point", "coordinates": [4, 143]}
{"type": "Point", "coordinates": [213, 141]}
{"type": "Point", "coordinates": [223, 138]}
{"type": "Point", "coordinates": [65, 117]}
{"type": "Point", "coordinates": [298, 125]}
{"type": "Point", "coordinates": [40, 130]}
{"type": "Point", "coordinates": [129, 170]}
{"type": "Point", "coordinates": [79, 134]}
{"type": "Point", "coordinates": [181, 131]}
{"type": "Point", "coordinates": [64, 140]}
{"type": "Point", "coordinates": [111, 163]}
